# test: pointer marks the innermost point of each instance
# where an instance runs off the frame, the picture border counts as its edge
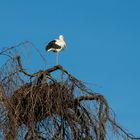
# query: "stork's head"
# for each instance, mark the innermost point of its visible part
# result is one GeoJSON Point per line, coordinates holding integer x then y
{"type": "Point", "coordinates": [61, 37]}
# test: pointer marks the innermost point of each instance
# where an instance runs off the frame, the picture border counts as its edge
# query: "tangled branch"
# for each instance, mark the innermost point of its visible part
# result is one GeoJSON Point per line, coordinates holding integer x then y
{"type": "Point", "coordinates": [40, 106]}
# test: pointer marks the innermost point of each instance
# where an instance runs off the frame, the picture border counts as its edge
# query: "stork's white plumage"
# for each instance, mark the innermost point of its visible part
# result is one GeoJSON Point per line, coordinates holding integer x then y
{"type": "Point", "coordinates": [56, 46]}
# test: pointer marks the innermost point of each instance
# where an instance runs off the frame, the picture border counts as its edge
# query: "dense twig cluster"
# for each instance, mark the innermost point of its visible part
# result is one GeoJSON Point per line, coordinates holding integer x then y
{"type": "Point", "coordinates": [41, 107]}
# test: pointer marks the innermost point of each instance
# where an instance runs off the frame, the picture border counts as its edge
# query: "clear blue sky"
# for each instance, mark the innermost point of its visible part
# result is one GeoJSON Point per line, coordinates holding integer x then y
{"type": "Point", "coordinates": [103, 44]}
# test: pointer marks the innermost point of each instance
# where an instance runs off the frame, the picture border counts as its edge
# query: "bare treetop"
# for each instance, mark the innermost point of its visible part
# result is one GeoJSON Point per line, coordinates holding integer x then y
{"type": "Point", "coordinates": [49, 106]}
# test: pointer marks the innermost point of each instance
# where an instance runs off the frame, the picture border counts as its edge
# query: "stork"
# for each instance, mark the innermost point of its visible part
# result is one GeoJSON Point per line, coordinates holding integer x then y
{"type": "Point", "coordinates": [56, 46]}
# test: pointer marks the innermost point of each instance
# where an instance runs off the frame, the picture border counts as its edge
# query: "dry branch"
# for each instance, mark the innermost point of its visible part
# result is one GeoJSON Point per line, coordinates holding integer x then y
{"type": "Point", "coordinates": [45, 108]}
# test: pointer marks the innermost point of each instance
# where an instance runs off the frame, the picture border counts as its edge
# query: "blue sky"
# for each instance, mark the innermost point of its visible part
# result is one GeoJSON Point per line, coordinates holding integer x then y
{"type": "Point", "coordinates": [103, 44]}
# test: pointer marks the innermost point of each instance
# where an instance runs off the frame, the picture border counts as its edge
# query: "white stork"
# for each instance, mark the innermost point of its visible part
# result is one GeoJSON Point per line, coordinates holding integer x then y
{"type": "Point", "coordinates": [56, 46]}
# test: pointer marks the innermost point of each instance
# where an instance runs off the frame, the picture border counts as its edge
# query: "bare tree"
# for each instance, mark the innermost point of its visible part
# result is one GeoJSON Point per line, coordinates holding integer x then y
{"type": "Point", "coordinates": [47, 106]}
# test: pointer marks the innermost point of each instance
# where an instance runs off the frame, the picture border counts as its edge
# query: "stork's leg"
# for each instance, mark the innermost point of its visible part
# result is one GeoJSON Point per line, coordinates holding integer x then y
{"type": "Point", "coordinates": [56, 58]}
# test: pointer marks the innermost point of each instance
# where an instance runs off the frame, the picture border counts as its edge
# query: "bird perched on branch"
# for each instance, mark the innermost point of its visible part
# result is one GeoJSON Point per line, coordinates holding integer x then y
{"type": "Point", "coordinates": [56, 46]}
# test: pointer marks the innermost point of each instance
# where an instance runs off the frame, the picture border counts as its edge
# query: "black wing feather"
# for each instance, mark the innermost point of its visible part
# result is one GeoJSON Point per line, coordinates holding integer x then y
{"type": "Point", "coordinates": [52, 44]}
